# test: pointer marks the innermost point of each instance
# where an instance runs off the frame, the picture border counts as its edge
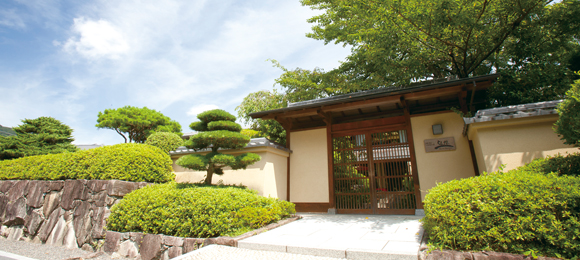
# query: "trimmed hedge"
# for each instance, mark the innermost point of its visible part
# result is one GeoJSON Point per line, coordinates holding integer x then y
{"type": "Point", "coordinates": [515, 212]}
{"type": "Point", "coordinates": [193, 210]}
{"type": "Point", "coordinates": [128, 162]}
{"type": "Point", "coordinates": [165, 141]}
{"type": "Point", "coordinates": [562, 165]}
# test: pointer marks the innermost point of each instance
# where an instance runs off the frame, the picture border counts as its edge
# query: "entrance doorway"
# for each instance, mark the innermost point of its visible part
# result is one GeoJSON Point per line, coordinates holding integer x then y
{"type": "Point", "coordinates": [373, 172]}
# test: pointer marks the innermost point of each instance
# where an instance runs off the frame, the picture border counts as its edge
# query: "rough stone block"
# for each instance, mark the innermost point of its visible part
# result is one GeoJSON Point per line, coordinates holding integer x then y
{"type": "Point", "coordinates": [6, 185]}
{"type": "Point", "coordinates": [35, 194]}
{"type": "Point", "coordinates": [128, 249]}
{"type": "Point", "coordinates": [54, 185]}
{"type": "Point", "coordinates": [15, 233]}
{"type": "Point", "coordinates": [172, 241]}
{"type": "Point", "coordinates": [226, 241]}
{"type": "Point", "coordinates": [99, 199]}
{"type": "Point", "coordinates": [87, 247]}
{"type": "Point", "coordinates": [174, 251]}
{"type": "Point", "coordinates": [190, 244]}
{"type": "Point", "coordinates": [120, 188]}
{"type": "Point", "coordinates": [3, 205]}
{"type": "Point", "coordinates": [112, 242]}
{"type": "Point", "coordinates": [33, 221]}
{"type": "Point", "coordinates": [51, 202]}
{"type": "Point", "coordinates": [58, 232]}
{"type": "Point", "coordinates": [15, 212]}
{"type": "Point", "coordinates": [17, 190]}
{"type": "Point", "coordinates": [100, 214]}
{"type": "Point", "coordinates": [96, 186]}
{"type": "Point", "coordinates": [82, 222]}
{"type": "Point", "coordinates": [151, 247]}
{"type": "Point", "coordinates": [73, 190]}
{"type": "Point", "coordinates": [4, 231]}
{"type": "Point", "coordinates": [70, 239]}
{"type": "Point", "coordinates": [48, 225]}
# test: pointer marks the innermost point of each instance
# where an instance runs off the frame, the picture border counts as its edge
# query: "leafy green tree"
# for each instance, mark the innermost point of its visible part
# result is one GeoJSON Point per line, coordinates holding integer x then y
{"type": "Point", "coordinates": [217, 129]}
{"type": "Point", "coordinates": [261, 101]}
{"type": "Point", "coordinates": [532, 43]}
{"type": "Point", "coordinates": [251, 133]}
{"type": "Point", "coordinates": [135, 123]}
{"type": "Point", "coordinates": [43, 135]}
{"type": "Point", "coordinates": [568, 124]}
{"type": "Point", "coordinates": [165, 141]}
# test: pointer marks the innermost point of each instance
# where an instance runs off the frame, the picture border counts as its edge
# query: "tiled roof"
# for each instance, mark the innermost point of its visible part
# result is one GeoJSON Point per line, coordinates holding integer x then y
{"type": "Point", "coordinates": [376, 93]}
{"type": "Point", "coordinates": [254, 142]}
{"type": "Point", "coordinates": [6, 131]}
{"type": "Point", "coordinates": [517, 111]}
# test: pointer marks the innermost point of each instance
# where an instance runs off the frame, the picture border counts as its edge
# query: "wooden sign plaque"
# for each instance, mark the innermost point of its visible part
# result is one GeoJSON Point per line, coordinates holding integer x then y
{"type": "Point", "coordinates": [440, 144]}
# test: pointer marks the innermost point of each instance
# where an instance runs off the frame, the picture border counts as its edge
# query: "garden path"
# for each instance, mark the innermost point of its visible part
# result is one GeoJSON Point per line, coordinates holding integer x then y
{"type": "Point", "coordinates": [344, 236]}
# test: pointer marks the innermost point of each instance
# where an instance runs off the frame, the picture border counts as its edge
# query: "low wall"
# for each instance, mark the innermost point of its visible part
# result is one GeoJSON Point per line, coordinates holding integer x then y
{"type": "Point", "coordinates": [70, 213]}
{"type": "Point", "coordinates": [73, 213]}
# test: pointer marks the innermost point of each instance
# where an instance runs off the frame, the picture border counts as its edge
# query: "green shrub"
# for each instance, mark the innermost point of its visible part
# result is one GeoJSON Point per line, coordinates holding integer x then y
{"type": "Point", "coordinates": [568, 124]}
{"type": "Point", "coordinates": [516, 212]}
{"type": "Point", "coordinates": [191, 210]}
{"type": "Point", "coordinates": [128, 162]}
{"type": "Point", "coordinates": [562, 165]}
{"type": "Point", "coordinates": [165, 141]}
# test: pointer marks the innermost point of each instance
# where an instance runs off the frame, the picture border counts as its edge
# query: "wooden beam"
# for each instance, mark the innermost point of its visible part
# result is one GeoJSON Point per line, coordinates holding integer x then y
{"type": "Point", "coordinates": [361, 104]}
{"type": "Point", "coordinates": [368, 115]}
{"type": "Point", "coordinates": [296, 113]}
{"type": "Point", "coordinates": [433, 93]}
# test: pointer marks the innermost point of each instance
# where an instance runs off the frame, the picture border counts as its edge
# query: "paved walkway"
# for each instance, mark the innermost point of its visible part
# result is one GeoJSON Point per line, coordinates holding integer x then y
{"type": "Point", "coordinates": [344, 236]}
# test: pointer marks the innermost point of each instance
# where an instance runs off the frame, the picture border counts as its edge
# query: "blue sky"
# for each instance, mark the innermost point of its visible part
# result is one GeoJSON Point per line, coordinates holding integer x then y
{"type": "Point", "coordinates": [71, 59]}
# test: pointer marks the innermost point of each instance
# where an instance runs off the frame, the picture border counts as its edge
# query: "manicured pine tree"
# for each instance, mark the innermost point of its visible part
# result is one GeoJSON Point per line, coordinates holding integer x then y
{"type": "Point", "coordinates": [217, 129]}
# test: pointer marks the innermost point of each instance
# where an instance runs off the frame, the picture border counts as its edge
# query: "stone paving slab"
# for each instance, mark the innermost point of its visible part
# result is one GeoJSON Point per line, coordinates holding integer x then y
{"type": "Point", "coordinates": [217, 252]}
{"type": "Point", "coordinates": [344, 236]}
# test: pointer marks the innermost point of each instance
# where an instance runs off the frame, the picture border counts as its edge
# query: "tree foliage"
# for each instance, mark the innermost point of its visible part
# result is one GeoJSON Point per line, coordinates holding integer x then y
{"type": "Point", "coordinates": [262, 101]}
{"type": "Point", "coordinates": [532, 43]}
{"type": "Point", "coordinates": [136, 124]}
{"type": "Point", "coordinates": [165, 141]}
{"type": "Point", "coordinates": [568, 124]}
{"type": "Point", "coordinates": [217, 129]}
{"type": "Point", "coordinates": [43, 135]}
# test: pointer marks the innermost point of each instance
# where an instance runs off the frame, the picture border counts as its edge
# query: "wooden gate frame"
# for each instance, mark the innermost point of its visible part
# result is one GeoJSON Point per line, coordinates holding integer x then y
{"type": "Point", "coordinates": [386, 124]}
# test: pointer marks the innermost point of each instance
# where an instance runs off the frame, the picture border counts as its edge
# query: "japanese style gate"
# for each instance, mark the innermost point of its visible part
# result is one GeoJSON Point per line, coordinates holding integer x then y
{"type": "Point", "coordinates": [373, 169]}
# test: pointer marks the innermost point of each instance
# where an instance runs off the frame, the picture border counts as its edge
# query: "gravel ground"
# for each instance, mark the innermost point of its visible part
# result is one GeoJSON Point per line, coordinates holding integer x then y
{"type": "Point", "coordinates": [216, 252]}
{"type": "Point", "coordinates": [211, 252]}
{"type": "Point", "coordinates": [47, 252]}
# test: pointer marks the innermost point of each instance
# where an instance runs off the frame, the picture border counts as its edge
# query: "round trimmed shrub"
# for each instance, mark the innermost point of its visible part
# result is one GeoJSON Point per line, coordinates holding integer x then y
{"type": "Point", "coordinates": [165, 141]}
{"type": "Point", "coordinates": [515, 212]}
{"type": "Point", "coordinates": [190, 210]}
{"type": "Point", "coordinates": [128, 162]}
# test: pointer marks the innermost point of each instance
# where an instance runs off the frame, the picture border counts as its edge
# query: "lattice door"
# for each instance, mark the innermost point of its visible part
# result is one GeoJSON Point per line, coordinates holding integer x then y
{"type": "Point", "coordinates": [373, 173]}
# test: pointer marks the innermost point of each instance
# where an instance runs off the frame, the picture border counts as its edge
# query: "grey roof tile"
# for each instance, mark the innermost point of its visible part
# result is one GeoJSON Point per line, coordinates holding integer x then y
{"type": "Point", "coordinates": [516, 111]}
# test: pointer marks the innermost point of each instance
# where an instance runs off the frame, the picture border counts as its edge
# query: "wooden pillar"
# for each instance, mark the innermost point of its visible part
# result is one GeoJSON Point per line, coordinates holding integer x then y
{"type": "Point", "coordinates": [287, 125]}
{"type": "Point", "coordinates": [418, 200]}
{"type": "Point", "coordinates": [327, 117]}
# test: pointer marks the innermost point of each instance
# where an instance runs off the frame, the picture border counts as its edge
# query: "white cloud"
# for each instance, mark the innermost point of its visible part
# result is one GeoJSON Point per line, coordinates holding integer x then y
{"type": "Point", "coordinates": [195, 110]}
{"type": "Point", "coordinates": [96, 39]}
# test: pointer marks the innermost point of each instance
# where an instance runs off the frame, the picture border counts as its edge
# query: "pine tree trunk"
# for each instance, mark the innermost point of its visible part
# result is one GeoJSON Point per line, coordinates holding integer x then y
{"type": "Point", "coordinates": [210, 171]}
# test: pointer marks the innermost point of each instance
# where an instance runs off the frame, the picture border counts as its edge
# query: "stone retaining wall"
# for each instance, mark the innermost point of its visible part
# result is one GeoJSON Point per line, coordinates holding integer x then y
{"type": "Point", "coordinates": [71, 213]}
{"type": "Point", "coordinates": [153, 247]}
